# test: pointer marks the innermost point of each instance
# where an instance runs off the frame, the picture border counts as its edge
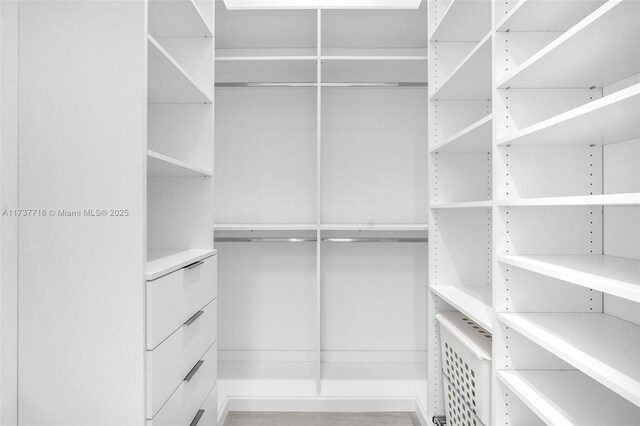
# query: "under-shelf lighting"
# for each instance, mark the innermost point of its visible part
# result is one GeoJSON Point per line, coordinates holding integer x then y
{"type": "Point", "coordinates": [321, 4]}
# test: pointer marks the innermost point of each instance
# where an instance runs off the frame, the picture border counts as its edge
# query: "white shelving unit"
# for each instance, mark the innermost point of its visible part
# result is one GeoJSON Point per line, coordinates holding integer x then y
{"type": "Point", "coordinates": [566, 253]}
{"type": "Point", "coordinates": [460, 175]}
{"type": "Point", "coordinates": [320, 177]}
{"type": "Point", "coordinates": [545, 252]}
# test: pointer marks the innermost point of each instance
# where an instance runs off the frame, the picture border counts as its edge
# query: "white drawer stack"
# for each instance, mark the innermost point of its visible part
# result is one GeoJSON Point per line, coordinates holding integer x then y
{"type": "Point", "coordinates": [182, 346]}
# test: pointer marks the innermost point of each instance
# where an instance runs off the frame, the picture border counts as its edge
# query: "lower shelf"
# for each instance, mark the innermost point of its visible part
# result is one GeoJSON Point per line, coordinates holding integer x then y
{"type": "Point", "coordinates": [569, 398]}
{"type": "Point", "coordinates": [602, 346]}
{"type": "Point", "coordinates": [473, 301]}
{"type": "Point", "coordinates": [299, 379]}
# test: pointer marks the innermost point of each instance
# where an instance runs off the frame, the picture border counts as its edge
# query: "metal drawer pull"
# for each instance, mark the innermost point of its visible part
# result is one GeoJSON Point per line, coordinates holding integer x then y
{"type": "Point", "coordinates": [193, 318]}
{"type": "Point", "coordinates": [196, 419]}
{"type": "Point", "coordinates": [193, 265]}
{"type": "Point", "coordinates": [193, 371]}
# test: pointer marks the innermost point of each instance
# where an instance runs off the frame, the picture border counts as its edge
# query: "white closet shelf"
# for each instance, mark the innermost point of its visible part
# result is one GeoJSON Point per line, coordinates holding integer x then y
{"type": "Point", "coordinates": [602, 346]}
{"type": "Point", "coordinates": [473, 301]}
{"type": "Point", "coordinates": [265, 227]}
{"type": "Point", "coordinates": [168, 81]}
{"type": "Point", "coordinates": [534, 15]}
{"type": "Point", "coordinates": [375, 227]}
{"type": "Point", "coordinates": [266, 379]}
{"type": "Point", "coordinates": [392, 54]}
{"type": "Point", "coordinates": [613, 275]}
{"type": "Point", "coordinates": [463, 20]}
{"type": "Point", "coordinates": [471, 79]}
{"type": "Point", "coordinates": [551, 395]}
{"type": "Point", "coordinates": [160, 165]}
{"type": "Point", "coordinates": [474, 138]}
{"type": "Point", "coordinates": [610, 119]}
{"type": "Point", "coordinates": [177, 18]}
{"type": "Point", "coordinates": [363, 379]}
{"type": "Point", "coordinates": [163, 262]}
{"type": "Point", "coordinates": [463, 205]}
{"type": "Point", "coordinates": [632, 199]}
{"type": "Point", "coordinates": [266, 54]}
{"type": "Point", "coordinates": [601, 49]}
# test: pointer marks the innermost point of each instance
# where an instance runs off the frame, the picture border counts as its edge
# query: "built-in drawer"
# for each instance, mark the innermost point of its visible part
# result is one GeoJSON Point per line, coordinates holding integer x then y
{"type": "Point", "coordinates": [183, 406]}
{"type": "Point", "coordinates": [174, 358]}
{"type": "Point", "coordinates": [208, 413]}
{"type": "Point", "coordinates": [176, 297]}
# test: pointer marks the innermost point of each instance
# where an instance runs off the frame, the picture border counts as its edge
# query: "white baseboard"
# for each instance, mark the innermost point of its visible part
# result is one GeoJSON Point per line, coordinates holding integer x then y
{"type": "Point", "coordinates": [324, 404]}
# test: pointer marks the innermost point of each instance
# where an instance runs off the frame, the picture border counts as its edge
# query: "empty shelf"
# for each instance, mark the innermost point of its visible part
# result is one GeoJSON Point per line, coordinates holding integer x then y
{"type": "Point", "coordinates": [163, 262]}
{"type": "Point", "coordinates": [632, 199]}
{"type": "Point", "coordinates": [367, 378]}
{"type": "Point", "coordinates": [601, 49]}
{"type": "Point", "coordinates": [168, 81]}
{"type": "Point", "coordinates": [602, 346]}
{"type": "Point", "coordinates": [616, 276]}
{"type": "Point", "coordinates": [471, 79]}
{"type": "Point", "coordinates": [463, 205]}
{"type": "Point", "coordinates": [463, 20]}
{"type": "Point", "coordinates": [569, 398]}
{"type": "Point", "coordinates": [536, 15]}
{"type": "Point", "coordinates": [473, 301]}
{"type": "Point", "coordinates": [162, 165]}
{"type": "Point", "coordinates": [265, 227]}
{"type": "Point", "coordinates": [474, 138]}
{"type": "Point", "coordinates": [177, 18]}
{"type": "Point", "coordinates": [610, 119]}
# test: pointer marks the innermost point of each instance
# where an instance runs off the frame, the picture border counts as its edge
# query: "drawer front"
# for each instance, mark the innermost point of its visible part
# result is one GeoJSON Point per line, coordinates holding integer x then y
{"type": "Point", "coordinates": [182, 407]}
{"type": "Point", "coordinates": [174, 298]}
{"type": "Point", "coordinates": [209, 410]}
{"type": "Point", "coordinates": [171, 361]}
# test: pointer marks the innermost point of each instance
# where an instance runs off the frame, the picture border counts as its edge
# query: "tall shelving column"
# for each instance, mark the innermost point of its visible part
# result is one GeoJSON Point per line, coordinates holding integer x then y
{"type": "Point", "coordinates": [567, 213]}
{"type": "Point", "coordinates": [460, 172]}
{"type": "Point", "coordinates": [181, 270]}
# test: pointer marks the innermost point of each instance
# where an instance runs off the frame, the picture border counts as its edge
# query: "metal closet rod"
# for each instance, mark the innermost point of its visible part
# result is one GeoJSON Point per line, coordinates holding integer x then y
{"type": "Point", "coordinates": [381, 84]}
{"type": "Point", "coordinates": [324, 240]}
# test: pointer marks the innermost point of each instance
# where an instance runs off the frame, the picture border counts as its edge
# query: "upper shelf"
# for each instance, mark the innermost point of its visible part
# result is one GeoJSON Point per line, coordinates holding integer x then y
{"type": "Point", "coordinates": [179, 18]}
{"type": "Point", "coordinates": [551, 395]}
{"type": "Point", "coordinates": [618, 200]}
{"type": "Point", "coordinates": [609, 274]}
{"type": "Point", "coordinates": [556, 15]}
{"type": "Point", "coordinates": [473, 301]}
{"type": "Point", "coordinates": [471, 79]}
{"type": "Point", "coordinates": [160, 165]}
{"type": "Point", "coordinates": [463, 20]}
{"type": "Point", "coordinates": [374, 227]}
{"type": "Point", "coordinates": [610, 119]}
{"type": "Point", "coordinates": [602, 346]}
{"type": "Point", "coordinates": [601, 49]}
{"type": "Point", "coordinates": [474, 138]}
{"type": "Point", "coordinates": [168, 82]}
{"type": "Point", "coordinates": [163, 262]}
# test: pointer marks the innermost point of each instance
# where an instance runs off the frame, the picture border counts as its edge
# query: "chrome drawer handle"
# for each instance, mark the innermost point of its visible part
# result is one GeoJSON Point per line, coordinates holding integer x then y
{"type": "Point", "coordinates": [196, 419]}
{"type": "Point", "coordinates": [193, 318]}
{"type": "Point", "coordinates": [194, 265]}
{"type": "Point", "coordinates": [193, 371]}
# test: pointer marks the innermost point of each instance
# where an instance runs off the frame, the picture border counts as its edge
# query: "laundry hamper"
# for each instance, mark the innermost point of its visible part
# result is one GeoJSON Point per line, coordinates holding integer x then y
{"type": "Point", "coordinates": [466, 360]}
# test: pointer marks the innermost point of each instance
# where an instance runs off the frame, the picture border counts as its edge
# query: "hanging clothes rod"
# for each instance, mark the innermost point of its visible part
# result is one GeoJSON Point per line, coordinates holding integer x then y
{"type": "Point", "coordinates": [314, 239]}
{"type": "Point", "coordinates": [391, 84]}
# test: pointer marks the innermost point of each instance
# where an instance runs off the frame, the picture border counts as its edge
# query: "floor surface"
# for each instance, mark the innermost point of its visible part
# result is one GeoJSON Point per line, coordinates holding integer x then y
{"type": "Point", "coordinates": [239, 418]}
